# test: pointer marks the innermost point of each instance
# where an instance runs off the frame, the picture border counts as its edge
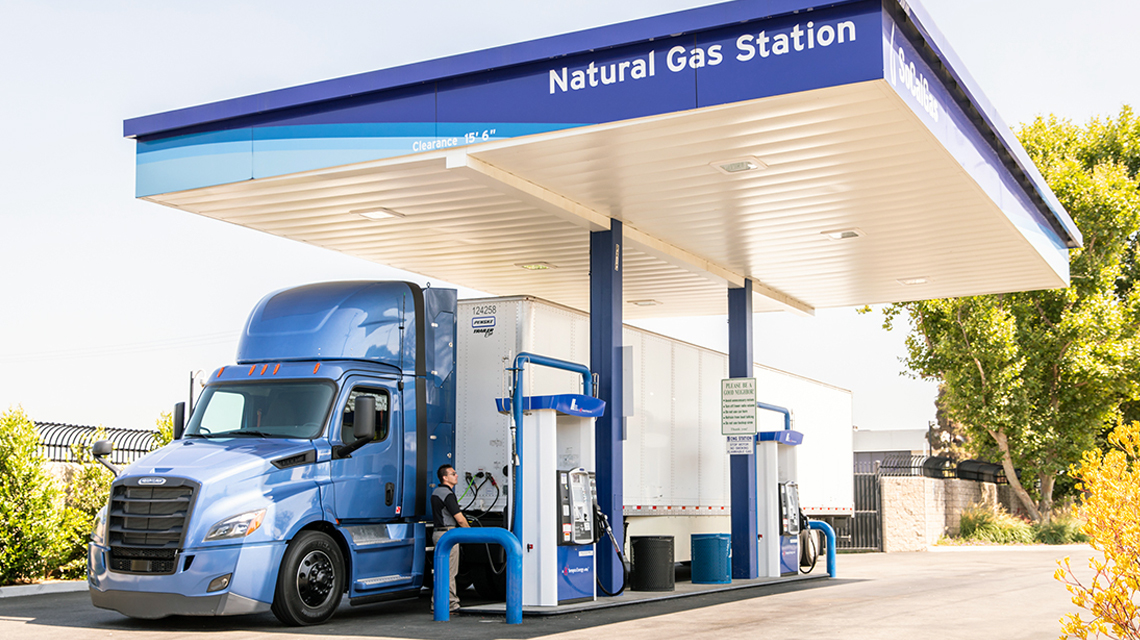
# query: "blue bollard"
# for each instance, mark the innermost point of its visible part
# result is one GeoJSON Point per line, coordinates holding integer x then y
{"type": "Point", "coordinates": [830, 533]}
{"type": "Point", "coordinates": [483, 535]}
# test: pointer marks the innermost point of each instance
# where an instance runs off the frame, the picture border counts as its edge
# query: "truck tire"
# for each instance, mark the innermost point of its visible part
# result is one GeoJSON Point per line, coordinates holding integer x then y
{"type": "Point", "coordinates": [311, 580]}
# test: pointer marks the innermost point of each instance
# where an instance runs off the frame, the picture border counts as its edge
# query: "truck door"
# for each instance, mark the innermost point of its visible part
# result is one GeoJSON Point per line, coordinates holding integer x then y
{"type": "Point", "coordinates": [367, 484]}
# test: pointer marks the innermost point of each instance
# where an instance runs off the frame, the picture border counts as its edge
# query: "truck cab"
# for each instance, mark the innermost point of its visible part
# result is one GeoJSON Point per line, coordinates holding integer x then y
{"type": "Point", "coordinates": [305, 470]}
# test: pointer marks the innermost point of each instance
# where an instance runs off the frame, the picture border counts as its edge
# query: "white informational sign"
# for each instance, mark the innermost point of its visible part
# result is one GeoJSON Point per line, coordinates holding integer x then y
{"type": "Point", "coordinates": [738, 406]}
{"type": "Point", "coordinates": [741, 445]}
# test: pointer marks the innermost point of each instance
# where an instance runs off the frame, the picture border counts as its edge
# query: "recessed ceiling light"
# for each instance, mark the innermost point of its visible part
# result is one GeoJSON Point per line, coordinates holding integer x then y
{"type": "Point", "coordinates": [536, 266]}
{"type": "Point", "coordinates": [735, 166]}
{"type": "Point", "coordinates": [910, 281]}
{"type": "Point", "coordinates": [377, 213]}
{"type": "Point", "coordinates": [644, 303]}
{"type": "Point", "coordinates": [843, 234]}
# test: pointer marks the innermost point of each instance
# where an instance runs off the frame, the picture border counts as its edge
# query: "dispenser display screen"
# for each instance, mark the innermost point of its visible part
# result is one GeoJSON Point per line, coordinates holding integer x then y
{"type": "Point", "coordinates": [575, 507]}
{"type": "Point", "coordinates": [789, 509]}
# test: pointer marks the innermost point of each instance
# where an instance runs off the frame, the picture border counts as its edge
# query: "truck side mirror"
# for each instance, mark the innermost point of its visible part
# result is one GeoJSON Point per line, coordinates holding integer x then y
{"type": "Point", "coordinates": [363, 426]}
{"type": "Point", "coordinates": [178, 419]}
{"type": "Point", "coordinates": [364, 418]}
{"type": "Point", "coordinates": [101, 450]}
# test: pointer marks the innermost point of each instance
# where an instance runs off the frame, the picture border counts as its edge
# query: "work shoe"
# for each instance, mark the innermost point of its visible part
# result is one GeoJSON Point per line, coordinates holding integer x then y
{"type": "Point", "coordinates": [452, 609]}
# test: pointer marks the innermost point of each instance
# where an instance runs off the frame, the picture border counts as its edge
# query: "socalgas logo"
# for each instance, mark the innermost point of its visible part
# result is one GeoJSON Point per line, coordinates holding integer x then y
{"type": "Point", "coordinates": [913, 80]}
{"type": "Point", "coordinates": [152, 480]}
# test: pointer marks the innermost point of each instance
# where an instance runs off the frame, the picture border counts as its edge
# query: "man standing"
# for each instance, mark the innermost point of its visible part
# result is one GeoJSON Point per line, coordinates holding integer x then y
{"type": "Point", "coordinates": [447, 515]}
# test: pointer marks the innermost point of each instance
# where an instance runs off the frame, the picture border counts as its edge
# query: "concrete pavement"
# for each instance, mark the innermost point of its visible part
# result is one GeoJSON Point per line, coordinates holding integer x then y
{"type": "Point", "coordinates": [970, 593]}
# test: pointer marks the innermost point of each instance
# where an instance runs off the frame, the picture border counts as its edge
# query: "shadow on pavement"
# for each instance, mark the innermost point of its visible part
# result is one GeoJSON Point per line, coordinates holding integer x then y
{"type": "Point", "coordinates": [398, 619]}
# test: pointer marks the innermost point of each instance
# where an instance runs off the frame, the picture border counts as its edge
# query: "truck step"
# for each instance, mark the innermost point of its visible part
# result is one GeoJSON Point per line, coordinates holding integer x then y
{"type": "Point", "coordinates": [372, 583]}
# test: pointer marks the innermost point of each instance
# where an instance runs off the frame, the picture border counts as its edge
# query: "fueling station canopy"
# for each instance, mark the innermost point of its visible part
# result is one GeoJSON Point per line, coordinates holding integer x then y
{"type": "Point", "coordinates": [833, 153]}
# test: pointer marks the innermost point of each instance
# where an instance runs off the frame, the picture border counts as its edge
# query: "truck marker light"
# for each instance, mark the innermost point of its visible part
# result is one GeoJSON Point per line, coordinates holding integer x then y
{"type": "Point", "coordinates": [263, 368]}
{"type": "Point", "coordinates": [317, 367]}
{"type": "Point", "coordinates": [276, 368]}
{"type": "Point", "coordinates": [221, 371]}
{"type": "Point", "coordinates": [251, 368]}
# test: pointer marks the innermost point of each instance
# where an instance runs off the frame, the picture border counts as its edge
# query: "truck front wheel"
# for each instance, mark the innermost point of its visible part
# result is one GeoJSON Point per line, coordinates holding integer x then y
{"type": "Point", "coordinates": [311, 581]}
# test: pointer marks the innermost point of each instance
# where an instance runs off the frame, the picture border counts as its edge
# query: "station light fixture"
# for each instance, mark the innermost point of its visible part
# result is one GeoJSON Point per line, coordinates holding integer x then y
{"type": "Point", "coordinates": [843, 234]}
{"type": "Point", "coordinates": [644, 303]}
{"type": "Point", "coordinates": [377, 213]}
{"type": "Point", "coordinates": [735, 166]}
{"type": "Point", "coordinates": [912, 281]}
{"type": "Point", "coordinates": [535, 266]}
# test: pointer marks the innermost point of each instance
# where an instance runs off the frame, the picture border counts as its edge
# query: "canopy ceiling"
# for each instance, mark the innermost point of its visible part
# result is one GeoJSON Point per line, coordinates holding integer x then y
{"type": "Point", "coordinates": [932, 207]}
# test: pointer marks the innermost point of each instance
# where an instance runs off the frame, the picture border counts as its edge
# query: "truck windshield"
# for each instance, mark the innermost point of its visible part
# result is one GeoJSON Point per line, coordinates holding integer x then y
{"type": "Point", "coordinates": [270, 409]}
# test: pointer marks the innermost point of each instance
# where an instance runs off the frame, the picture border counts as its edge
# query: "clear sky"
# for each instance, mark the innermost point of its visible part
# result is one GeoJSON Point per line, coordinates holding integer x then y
{"type": "Point", "coordinates": [108, 303]}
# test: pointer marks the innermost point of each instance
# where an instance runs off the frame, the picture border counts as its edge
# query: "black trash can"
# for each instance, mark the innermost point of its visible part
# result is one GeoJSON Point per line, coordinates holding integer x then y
{"type": "Point", "coordinates": [652, 560]}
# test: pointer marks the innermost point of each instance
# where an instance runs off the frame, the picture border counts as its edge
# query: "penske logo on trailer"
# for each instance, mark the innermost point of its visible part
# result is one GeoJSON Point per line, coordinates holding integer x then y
{"type": "Point", "coordinates": [484, 325]}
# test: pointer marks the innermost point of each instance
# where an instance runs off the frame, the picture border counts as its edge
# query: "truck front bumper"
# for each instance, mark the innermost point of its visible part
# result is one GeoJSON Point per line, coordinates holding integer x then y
{"type": "Point", "coordinates": [253, 578]}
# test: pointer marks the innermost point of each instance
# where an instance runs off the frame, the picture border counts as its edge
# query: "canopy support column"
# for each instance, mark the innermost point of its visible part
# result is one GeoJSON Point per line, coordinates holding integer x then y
{"type": "Point", "coordinates": [605, 361]}
{"type": "Point", "coordinates": [742, 468]}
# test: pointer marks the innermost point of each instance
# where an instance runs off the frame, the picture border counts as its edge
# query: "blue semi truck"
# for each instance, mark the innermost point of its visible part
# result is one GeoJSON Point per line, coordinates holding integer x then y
{"type": "Point", "coordinates": [305, 470]}
{"type": "Point", "coordinates": [303, 473]}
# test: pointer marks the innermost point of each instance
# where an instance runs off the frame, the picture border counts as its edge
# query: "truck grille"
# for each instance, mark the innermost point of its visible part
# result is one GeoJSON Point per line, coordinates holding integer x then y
{"type": "Point", "coordinates": [148, 523]}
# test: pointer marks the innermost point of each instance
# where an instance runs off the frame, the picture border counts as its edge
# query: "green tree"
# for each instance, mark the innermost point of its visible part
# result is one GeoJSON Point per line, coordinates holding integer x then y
{"type": "Point", "coordinates": [1037, 376]}
{"type": "Point", "coordinates": [165, 430]}
{"type": "Point", "coordinates": [86, 488]}
{"type": "Point", "coordinates": [29, 520]}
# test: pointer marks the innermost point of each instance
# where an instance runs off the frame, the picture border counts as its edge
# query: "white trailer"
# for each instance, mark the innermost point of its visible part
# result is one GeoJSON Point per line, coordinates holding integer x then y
{"type": "Point", "coordinates": [676, 479]}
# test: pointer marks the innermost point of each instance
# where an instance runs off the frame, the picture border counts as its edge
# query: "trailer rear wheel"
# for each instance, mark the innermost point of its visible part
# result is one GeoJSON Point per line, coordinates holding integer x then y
{"type": "Point", "coordinates": [311, 580]}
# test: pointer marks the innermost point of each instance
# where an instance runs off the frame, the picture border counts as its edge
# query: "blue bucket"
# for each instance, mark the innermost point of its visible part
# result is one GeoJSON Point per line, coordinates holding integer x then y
{"type": "Point", "coordinates": [712, 558]}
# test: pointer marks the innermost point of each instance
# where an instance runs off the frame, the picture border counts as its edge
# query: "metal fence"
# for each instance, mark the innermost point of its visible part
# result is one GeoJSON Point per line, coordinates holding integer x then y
{"type": "Point", "coordinates": [933, 467]}
{"type": "Point", "coordinates": [58, 441]}
{"type": "Point", "coordinates": [864, 530]}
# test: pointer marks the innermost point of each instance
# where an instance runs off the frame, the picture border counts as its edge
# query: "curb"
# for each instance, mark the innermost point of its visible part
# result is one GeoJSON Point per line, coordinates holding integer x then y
{"type": "Point", "coordinates": [19, 590]}
{"type": "Point", "coordinates": [1004, 547]}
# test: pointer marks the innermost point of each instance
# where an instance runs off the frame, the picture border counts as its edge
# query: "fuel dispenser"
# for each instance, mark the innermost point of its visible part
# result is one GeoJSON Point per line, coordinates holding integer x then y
{"type": "Point", "coordinates": [557, 508]}
{"type": "Point", "coordinates": [778, 502]}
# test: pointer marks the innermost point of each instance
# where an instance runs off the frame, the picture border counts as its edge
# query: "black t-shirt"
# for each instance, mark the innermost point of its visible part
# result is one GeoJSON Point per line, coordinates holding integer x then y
{"type": "Point", "coordinates": [444, 507]}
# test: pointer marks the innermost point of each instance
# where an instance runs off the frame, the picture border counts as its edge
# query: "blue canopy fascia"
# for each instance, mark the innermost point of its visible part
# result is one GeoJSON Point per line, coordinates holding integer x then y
{"type": "Point", "coordinates": [220, 120]}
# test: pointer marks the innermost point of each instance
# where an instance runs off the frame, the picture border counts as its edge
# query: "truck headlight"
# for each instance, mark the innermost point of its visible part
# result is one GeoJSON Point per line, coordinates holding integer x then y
{"type": "Point", "coordinates": [238, 526]}
{"type": "Point", "coordinates": [99, 533]}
